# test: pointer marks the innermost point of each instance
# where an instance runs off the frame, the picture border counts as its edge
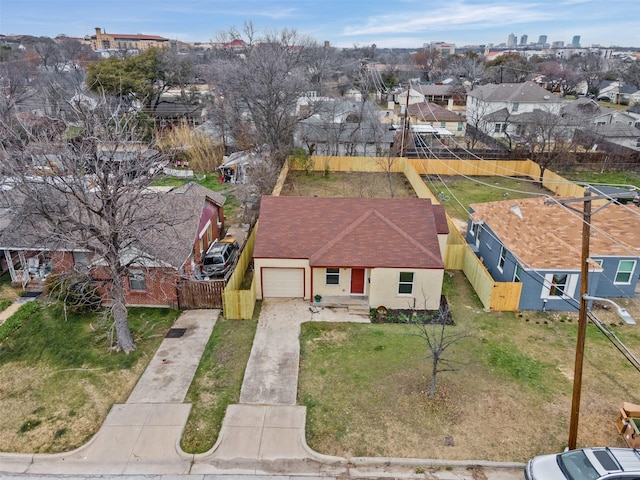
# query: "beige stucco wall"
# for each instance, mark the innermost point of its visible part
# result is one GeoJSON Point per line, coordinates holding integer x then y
{"type": "Point", "coordinates": [343, 288]}
{"type": "Point", "coordinates": [427, 287]}
{"type": "Point", "coordinates": [442, 241]}
{"type": "Point", "coordinates": [260, 263]}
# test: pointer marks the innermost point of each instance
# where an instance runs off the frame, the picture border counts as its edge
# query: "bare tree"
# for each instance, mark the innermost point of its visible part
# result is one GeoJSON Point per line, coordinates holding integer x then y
{"type": "Point", "coordinates": [470, 66]}
{"type": "Point", "coordinates": [592, 69]}
{"type": "Point", "coordinates": [17, 71]}
{"type": "Point", "coordinates": [261, 84]}
{"type": "Point", "coordinates": [548, 138]}
{"type": "Point", "coordinates": [94, 199]}
{"type": "Point", "coordinates": [433, 330]}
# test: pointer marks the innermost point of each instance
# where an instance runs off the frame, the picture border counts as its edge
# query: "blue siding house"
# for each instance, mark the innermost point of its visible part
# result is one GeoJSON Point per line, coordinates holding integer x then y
{"type": "Point", "coordinates": [540, 245]}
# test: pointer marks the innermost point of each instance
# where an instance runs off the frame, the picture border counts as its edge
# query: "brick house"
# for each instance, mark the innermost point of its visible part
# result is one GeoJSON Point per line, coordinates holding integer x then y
{"type": "Point", "coordinates": [162, 255]}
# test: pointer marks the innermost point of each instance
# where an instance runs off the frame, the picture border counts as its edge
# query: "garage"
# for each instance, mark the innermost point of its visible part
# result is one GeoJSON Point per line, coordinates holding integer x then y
{"type": "Point", "coordinates": [283, 282]}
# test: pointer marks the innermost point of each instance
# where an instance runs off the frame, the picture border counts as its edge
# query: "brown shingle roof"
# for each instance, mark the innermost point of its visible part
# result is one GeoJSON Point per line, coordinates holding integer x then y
{"type": "Point", "coordinates": [432, 112]}
{"type": "Point", "coordinates": [550, 236]}
{"type": "Point", "coordinates": [351, 232]}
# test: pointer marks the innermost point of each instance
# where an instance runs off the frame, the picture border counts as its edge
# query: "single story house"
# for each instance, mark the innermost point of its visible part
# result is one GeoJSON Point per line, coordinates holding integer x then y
{"type": "Point", "coordinates": [185, 221]}
{"type": "Point", "coordinates": [384, 251]}
{"type": "Point", "coordinates": [426, 113]}
{"type": "Point", "coordinates": [540, 245]}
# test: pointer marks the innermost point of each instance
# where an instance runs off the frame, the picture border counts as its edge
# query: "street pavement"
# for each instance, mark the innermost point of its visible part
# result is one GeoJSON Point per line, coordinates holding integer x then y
{"type": "Point", "coordinates": [262, 437]}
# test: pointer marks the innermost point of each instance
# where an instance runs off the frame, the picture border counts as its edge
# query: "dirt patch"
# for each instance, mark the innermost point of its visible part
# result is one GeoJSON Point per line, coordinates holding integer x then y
{"type": "Point", "coordinates": [347, 184]}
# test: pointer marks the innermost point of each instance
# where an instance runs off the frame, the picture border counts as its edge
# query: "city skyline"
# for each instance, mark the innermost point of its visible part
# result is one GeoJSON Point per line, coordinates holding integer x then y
{"type": "Point", "coordinates": [345, 23]}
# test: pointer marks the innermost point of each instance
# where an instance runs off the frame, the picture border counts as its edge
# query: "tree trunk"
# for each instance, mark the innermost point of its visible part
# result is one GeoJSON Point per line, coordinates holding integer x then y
{"type": "Point", "coordinates": [124, 340]}
{"type": "Point", "coordinates": [434, 372]}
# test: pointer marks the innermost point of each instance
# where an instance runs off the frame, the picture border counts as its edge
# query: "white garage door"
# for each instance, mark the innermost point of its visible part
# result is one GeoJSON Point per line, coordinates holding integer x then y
{"type": "Point", "coordinates": [282, 282]}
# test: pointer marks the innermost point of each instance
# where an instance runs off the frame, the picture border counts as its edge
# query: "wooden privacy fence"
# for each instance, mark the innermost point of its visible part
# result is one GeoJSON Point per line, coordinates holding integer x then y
{"type": "Point", "coordinates": [238, 304]}
{"type": "Point", "coordinates": [199, 294]}
{"type": "Point", "coordinates": [504, 296]}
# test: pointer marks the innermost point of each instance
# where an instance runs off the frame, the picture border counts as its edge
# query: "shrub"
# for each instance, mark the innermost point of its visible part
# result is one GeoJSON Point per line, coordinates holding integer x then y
{"type": "Point", "coordinates": [77, 291]}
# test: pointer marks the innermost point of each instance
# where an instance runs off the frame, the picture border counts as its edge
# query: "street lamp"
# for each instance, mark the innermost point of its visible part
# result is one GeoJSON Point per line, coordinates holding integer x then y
{"type": "Point", "coordinates": [622, 312]}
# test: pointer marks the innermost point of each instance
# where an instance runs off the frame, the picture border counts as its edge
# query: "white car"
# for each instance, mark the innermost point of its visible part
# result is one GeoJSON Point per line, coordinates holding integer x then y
{"type": "Point", "coordinates": [586, 464]}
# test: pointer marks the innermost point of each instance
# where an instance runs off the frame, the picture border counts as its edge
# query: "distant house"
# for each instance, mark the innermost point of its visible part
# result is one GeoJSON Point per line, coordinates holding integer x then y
{"type": "Point", "coordinates": [383, 252]}
{"type": "Point", "coordinates": [185, 221]}
{"type": "Point", "coordinates": [443, 94]}
{"type": "Point", "coordinates": [536, 244]}
{"type": "Point", "coordinates": [344, 128]}
{"type": "Point", "coordinates": [426, 113]}
{"type": "Point", "coordinates": [597, 125]}
{"type": "Point", "coordinates": [491, 107]}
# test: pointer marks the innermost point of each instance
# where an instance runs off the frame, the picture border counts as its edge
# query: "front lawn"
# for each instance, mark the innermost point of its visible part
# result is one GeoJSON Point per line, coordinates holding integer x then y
{"type": "Point", "coordinates": [366, 386]}
{"type": "Point", "coordinates": [58, 378]}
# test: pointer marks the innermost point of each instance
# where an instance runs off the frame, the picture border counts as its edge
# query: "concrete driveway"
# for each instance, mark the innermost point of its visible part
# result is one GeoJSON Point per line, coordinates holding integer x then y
{"type": "Point", "coordinates": [271, 376]}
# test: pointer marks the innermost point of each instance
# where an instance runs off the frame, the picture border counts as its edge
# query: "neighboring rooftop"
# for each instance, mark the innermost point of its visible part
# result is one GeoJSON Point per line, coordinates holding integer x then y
{"type": "Point", "coordinates": [548, 236]}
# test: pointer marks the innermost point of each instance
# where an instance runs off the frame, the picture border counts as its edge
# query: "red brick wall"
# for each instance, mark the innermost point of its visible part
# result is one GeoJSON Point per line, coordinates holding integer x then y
{"type": "Point", "coordinates": [160, 288]}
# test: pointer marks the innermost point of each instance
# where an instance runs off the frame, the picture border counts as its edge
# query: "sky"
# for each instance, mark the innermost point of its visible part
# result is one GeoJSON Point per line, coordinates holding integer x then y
{"type": "Point", "coordinates": [344, 23]}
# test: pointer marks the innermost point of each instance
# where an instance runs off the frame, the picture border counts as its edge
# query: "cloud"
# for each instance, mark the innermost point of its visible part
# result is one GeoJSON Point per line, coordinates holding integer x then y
{"type": "Point", "coordinates": [455, 16]}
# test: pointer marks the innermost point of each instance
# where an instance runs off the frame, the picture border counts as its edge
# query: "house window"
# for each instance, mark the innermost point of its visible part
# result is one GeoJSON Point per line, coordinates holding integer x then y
{"type": "Point", "coordinates": [332, 276]}
{"type": "Point", "coordinates": [137, 281]}
{"type": "Point", "coordinates": [559, 285]}
{"type": "Point", "coordinates": [515, 106]}
{"type": "Point", "coordinates": [521, 130]}
{"type": "Point", "coordinates": [503, 258]}
{"type": "Point", "coordinates": [405, 285]}
{"type": "Point", "coordinates": [625, 271]}
{"type": "Point", "coordinates": [443, 124]}
{"type": "Point", "coordinates": [500, 127]}
{"type": "Point", "coordinates": [517, 274]}
{"type": "Point", "coordinates": [460, 126]}
{"type": "Point", "coordinates": [638, 143]}
{"type": "Point", "coordinates": [81, 261]}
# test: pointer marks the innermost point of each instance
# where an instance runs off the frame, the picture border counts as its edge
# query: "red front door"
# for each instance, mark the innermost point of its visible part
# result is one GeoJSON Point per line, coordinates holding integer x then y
{"type": "Point", "coordinates": [357, 281]}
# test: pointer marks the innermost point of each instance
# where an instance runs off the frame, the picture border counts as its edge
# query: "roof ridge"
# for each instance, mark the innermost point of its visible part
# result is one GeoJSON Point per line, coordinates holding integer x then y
{"type": "Point", "coordinates": [371, 211]}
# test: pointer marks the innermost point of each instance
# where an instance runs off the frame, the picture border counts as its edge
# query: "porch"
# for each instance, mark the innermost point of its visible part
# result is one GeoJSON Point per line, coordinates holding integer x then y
{"type": "Point", "coordinates": [358, 305]}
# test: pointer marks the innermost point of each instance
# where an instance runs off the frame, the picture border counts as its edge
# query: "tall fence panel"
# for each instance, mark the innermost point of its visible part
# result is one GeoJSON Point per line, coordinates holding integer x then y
{"type": "Point", "coordinates": [238, 304]}
{"type": "Point", "coordinates": [505, 296]}
{"type": "Point", "coordinates": [478, 276]}
{"type": "Point", "coordinates": [193, 294]}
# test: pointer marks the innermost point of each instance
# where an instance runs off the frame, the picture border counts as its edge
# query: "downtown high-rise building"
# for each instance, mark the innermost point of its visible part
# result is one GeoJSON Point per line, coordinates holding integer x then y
{"type": "Point", "coordinates": [524, 39]}
{"type": "Point", "coordinates": [542, 39]}
{"type": "Point", "coordinates": [511, 40]}
{"type": "Point", "coordinates": [575, 42]}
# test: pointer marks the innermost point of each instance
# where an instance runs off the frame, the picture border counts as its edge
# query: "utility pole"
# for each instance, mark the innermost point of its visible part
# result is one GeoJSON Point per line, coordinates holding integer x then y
{"type": "Point", "coordinates": [584, 292]}
{"type": "Point", "coordinates": [405, 123]}
{"type": "Point", "coordinates": [582, 322]}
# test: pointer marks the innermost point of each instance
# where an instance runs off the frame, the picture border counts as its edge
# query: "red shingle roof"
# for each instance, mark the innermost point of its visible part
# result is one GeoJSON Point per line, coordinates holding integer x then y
{"type": "Point", "coordinates": [352, 232]}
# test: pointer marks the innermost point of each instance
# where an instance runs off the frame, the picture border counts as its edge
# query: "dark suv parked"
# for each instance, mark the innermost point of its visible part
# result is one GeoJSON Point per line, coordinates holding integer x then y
{"type": "Point", "coordinates": [220, 257]}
